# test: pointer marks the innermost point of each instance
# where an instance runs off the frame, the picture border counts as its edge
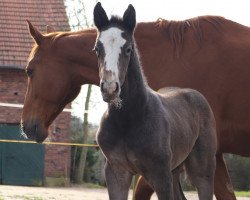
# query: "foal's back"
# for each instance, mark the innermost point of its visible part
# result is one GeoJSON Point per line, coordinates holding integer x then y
{"type": "Point", "coordinates": [185, 101]}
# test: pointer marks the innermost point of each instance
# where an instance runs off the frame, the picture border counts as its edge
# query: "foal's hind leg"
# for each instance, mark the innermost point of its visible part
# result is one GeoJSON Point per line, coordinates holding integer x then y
{"type": "Point", "coordinates": [200, 164]}
{"type": "Point", "coordinates": [200, 170]}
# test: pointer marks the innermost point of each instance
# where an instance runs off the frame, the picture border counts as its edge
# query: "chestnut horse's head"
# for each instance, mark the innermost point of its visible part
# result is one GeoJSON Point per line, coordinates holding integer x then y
{"type": "Point", "coordinates": [113, 47]}
{"type": "Point", "coordinates": [51, 85]}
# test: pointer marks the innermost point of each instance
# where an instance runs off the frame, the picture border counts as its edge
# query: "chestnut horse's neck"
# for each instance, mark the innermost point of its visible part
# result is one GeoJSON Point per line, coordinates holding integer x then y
{"type": "Point", "coordinates": [80, 57]}
{"type": "Point", "coordinates": [171, 34]}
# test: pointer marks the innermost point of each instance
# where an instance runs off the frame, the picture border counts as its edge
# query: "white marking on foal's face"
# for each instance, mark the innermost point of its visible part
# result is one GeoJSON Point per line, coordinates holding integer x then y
{"type": "Point", "coordinates": [112, 41]}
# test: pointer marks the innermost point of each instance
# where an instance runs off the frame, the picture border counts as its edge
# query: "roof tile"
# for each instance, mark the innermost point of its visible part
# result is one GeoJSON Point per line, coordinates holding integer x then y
{"type": "Point", "coordinates": [15, 41]}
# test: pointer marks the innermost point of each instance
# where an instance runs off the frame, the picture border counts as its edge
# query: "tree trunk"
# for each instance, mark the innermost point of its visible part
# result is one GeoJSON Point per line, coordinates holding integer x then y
{"type": "Point", "coordinates": [83, 154]}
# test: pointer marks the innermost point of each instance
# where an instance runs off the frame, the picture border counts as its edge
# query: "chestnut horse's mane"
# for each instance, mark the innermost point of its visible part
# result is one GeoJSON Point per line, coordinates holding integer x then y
{"type": "Point", "coordinates": [55, 36]}
{"type": "Point", "coordinates": [176, 29]}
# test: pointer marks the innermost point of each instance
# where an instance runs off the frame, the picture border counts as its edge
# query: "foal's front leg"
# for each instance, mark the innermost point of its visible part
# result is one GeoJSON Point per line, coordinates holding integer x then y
{"type": "Point", "coordinates": [118, 182]}
{"type": "Point", "coordinates": [161, 179]}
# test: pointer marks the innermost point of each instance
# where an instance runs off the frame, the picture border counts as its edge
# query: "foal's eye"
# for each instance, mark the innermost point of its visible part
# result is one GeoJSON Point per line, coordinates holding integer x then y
{"type": "Point", "coordinates": [128, 50]}
{"type": "Point", "coordinates": [29, 72]}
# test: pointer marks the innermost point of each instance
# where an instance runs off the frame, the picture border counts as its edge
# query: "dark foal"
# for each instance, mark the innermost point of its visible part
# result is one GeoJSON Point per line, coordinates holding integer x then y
{"type": "Point", "coordinates": [145, 132]}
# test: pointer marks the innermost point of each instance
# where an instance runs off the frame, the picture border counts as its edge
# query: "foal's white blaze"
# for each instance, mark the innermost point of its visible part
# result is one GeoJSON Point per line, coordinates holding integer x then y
{"type": "Point", "coordinates": [112, 41]}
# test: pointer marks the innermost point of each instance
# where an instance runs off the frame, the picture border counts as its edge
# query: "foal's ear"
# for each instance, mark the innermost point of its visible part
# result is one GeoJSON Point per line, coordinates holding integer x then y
{"type": "Point", "coordinates": [37, 36]}
{"type": "Point", "coordinates": [50, 29]}
{"type": "Point", "coordinates": [129, 18]}
{"type": "Point", "coordinates": [100, 16]}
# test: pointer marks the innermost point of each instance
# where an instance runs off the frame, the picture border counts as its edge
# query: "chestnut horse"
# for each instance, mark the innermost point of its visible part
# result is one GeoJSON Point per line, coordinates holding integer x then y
{"type": "Point", "coordinates": [145, 132]}
{"type": "Point", "coordinates": [209, 54]}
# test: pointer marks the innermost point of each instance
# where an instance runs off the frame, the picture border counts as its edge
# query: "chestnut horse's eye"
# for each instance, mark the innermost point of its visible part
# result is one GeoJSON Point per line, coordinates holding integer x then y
{"type": "Point", "coordinates": [96, 49]}
{"type": "Point", "coordinates": [29, 72]}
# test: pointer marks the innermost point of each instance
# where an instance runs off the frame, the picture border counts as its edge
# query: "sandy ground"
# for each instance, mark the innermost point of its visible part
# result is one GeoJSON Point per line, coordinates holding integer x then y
{"type": "Point", "coordinates": [69, 193]}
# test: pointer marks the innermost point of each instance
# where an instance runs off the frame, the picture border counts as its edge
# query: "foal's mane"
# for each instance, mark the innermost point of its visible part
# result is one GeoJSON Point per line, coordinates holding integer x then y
{"type": "Point", "coordinates": [116, 21]}
{"type": "Point", "coordinates": [176, 29]}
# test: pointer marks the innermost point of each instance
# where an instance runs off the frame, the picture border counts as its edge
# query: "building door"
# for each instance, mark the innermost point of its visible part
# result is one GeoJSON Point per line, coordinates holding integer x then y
{"type": "Point", "coordinates": [20, 164]}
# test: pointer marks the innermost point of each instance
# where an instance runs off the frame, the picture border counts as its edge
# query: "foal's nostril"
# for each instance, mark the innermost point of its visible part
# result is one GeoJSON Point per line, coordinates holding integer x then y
{"type": "Point", "coordinates": [117, 87]}
{"type": "Point", "coordinates": [102, 86]}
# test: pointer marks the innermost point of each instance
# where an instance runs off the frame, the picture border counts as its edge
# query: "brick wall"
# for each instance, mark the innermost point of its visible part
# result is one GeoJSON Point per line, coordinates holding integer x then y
{"type": "Point", "coordinates": [57, 159]}
{"type": "Point", "coordinates": [12, 90]}
{"type": "Point", "coordinates": [13, 85]}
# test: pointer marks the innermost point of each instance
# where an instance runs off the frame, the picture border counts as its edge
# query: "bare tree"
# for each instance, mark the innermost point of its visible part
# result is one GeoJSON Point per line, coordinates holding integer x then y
{"type": "Point", "coordinates": [76, 10]}
{"type": "Point", "coordinates": [83, 154]}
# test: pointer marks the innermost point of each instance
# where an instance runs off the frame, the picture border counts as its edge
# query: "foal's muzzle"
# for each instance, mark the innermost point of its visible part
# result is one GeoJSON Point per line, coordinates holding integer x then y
{"type": "Point", "coordinates": [110, 90]}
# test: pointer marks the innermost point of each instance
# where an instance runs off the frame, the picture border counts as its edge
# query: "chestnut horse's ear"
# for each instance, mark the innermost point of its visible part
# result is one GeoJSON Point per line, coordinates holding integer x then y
{"type": "Point", "coordinates": [100, 17]}
{"type": "Point", "coordinates": [38, 37]}
{"type": "Point", "coordinates": [50, 29]}
{"type": "Point", "coordinates": [129, 18]}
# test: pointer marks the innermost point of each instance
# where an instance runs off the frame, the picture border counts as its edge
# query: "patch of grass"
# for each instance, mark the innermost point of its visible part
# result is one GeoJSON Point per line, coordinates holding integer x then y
{"type": "Point", "coordinates": [1, 197]}
{"type": "Point", "coordinates": [90, 185]}
{"type": "Point", "coordinates": [242, 193]}
{"type": "Point", "coordinates": [27, 197]}
{"type": "Point", "coordinates": [33, 198]}
{"type": "Point", "coordinates": [55, 182]}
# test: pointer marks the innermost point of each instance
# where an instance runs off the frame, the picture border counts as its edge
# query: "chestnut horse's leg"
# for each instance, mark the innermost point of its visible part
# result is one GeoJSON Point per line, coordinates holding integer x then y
{"type": "Point", "coordinates": [223, 188]}
{"type": "Point", "coordinates": [118, 182]}
{"type": "Point", "coordinates": [143, 191]}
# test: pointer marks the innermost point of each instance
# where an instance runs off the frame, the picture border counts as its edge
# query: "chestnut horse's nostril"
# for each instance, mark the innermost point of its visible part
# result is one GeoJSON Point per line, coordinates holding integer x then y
{"type": "Point", "coordinates": [35, 129]}
{"type": "Point", "coordinates": [30, 130]}
{"type": "Point", "coordinates": [23, 127]}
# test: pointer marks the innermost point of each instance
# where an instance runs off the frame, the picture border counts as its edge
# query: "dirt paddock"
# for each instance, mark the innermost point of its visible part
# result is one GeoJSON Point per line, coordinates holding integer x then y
{"type": "Point", "coordinates": [69, 193]}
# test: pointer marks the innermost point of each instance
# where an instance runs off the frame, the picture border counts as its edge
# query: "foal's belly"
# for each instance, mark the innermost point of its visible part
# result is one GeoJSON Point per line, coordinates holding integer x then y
{"type": "Point", "coordinates": [182, 146]}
